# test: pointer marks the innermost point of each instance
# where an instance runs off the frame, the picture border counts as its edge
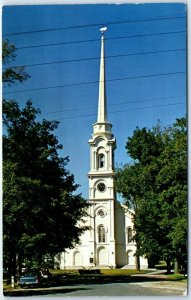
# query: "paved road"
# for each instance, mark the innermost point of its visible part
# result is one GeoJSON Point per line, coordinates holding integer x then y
{"type": "Point", "coordinates": [122, 289]}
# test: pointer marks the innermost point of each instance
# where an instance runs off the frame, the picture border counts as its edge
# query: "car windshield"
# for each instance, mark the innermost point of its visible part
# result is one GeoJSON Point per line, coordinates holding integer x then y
{"type": "Point", "coordinates": [29, 275]}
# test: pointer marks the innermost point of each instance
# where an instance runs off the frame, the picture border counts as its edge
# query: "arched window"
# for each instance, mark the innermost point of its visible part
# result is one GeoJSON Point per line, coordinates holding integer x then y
{"type": "Point", "coordinates": [101, 234]}
{"type": "Point", "coordinates": [129, 235]}
{"type": "Point", "coordinates": [101, 160]}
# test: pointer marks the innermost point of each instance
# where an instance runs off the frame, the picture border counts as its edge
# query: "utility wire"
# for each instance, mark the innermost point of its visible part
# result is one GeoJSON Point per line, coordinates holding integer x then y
{"type": "Point", "coordinates": [124, 110]}
{"type": "Point", "coordinates": [94, 82]}
{"type": "Point", "coordinates": [95, 40]}
{"type": "Point", "coordinates": [98, 24]}
{"type": "Point", "coordinates": [93, 58]}
{"type": "Point", "coordinates": [116, 104]}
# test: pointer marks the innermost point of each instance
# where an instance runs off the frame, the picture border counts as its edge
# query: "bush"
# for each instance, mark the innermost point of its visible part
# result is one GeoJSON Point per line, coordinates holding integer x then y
{"type": "Point", "coordinates": [88, 271]}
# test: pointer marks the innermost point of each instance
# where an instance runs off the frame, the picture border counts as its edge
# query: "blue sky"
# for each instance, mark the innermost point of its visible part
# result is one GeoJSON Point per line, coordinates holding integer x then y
{"type": "Point", "coordinates": [145, 49]}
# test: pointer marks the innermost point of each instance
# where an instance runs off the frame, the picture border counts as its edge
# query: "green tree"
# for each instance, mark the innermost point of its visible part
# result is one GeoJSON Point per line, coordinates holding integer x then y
{"type": "Point", "coordinates": [11, 190]}
{"type": "Point", "coordinates": [172, 183]}
{"type": "Point", "coordinates": [154, 184]}
{"type": "Point", "coordinates": [41, 212]}
{"type": "Point", "coordinates": [135, 181]}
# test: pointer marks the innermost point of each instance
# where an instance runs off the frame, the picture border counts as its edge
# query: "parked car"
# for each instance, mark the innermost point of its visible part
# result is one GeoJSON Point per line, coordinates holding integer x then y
{"type": "Point", "coordinates": [28, 280]}
{"type": "Point", "coordinates": [34, 278]}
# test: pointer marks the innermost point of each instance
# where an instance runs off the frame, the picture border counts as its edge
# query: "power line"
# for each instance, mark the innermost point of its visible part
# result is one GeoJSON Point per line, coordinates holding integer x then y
{"type": "Point", "coordinates": [98, 24]}
{"type": "Point", "coordinates": [94, 58]}
{"type": "Point", "coordinates": [94, 82]}
{"type": "Point", "coordinates": [124, 110]}
{"type": "Point", "coordinates": [95, 40]}
{"type": "Point", "coordinates": [116, 104]}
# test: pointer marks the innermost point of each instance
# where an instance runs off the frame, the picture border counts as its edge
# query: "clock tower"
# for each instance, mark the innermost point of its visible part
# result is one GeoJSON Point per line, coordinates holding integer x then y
{"type": "Point", "coordinates": [101, 180]}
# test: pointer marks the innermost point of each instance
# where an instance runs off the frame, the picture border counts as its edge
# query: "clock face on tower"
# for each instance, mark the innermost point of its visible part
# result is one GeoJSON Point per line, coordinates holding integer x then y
{"type": "Point", "coordinates": [101, 187]}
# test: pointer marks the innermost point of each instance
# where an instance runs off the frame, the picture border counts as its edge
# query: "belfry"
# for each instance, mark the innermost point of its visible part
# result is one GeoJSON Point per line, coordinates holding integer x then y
{"type": "Point", "coordinates": [109, 241]}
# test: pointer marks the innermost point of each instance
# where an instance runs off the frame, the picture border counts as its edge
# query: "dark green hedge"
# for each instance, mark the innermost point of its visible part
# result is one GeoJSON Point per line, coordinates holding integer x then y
{"type": "Point", "coordinates": [89, 271]}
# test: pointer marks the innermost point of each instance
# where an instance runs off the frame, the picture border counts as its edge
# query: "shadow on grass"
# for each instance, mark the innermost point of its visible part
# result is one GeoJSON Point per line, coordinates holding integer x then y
{"type": "Point", "coordinates": [104, 279]}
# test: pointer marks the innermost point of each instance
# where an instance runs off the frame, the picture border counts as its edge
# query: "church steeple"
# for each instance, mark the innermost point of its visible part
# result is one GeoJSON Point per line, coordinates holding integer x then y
{"type": "Point", "coordinates": [102, 143]}
{"type": "Point", "coordinates": [102, 126]}
{"type": "Point", "coordinates": [101, 178]}
{"type": "Point", "coordinates": [102, 103]}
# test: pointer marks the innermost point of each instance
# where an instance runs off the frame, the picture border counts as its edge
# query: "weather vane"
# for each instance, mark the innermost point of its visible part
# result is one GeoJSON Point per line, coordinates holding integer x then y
{"type": "Point", "coordinates": [103, 29]}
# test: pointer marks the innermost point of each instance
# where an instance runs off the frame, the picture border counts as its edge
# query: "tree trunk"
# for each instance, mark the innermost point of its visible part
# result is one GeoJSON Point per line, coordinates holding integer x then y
{"type": "Point", "coordinates": [11, 268]}
{"type": "Point", "coordinates": [19, 267]}
{"type": "Point", "coordinates": [168, 267]}
{"type": "Point", "coordinates": [176, 267]}
{"type": "Point", "coordinates": [137, 262]}
{"type": "Point", "coordinates": [9, 272]}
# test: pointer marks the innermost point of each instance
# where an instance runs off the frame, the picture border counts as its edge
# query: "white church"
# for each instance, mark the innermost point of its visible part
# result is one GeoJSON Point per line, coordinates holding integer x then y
{"type": "Point", "coordinates": [109, 241]}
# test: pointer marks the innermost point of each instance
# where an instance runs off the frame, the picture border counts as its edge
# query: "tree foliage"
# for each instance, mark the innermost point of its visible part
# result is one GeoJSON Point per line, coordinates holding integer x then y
{"type": "Point", "coordinates": [155, 185]}
{"type": "Point", "coordinates": [40, 210]}
{"type": "Point", "coordinates": [11, 75]}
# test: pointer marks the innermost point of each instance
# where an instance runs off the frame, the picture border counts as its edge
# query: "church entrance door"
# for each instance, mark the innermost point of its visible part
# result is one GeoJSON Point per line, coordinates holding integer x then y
{"type": "Point", "coordinates": [130, 258]}
{"type": "Point", "coordinates": [102, 257]}
{"type": "Point", "coordinates": [77, 259]}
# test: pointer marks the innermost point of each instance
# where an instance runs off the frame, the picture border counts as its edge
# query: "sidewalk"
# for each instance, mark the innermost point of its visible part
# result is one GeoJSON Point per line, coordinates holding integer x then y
{"type": "Point", "coordinates": [158, 274]}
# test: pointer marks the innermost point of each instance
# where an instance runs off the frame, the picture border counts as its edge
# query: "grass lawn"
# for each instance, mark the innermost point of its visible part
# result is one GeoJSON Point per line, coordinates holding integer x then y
{"type": "Point", "coordinates": [177, 277]}
{"type": "Point", "coordinates": [122, 272]}
{"type": "Point", "coordinates": [107, 272]}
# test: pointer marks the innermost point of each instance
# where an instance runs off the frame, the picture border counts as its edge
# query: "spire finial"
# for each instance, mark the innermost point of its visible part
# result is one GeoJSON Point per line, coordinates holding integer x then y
{"type": "Point", "coordinates": [103, 29]}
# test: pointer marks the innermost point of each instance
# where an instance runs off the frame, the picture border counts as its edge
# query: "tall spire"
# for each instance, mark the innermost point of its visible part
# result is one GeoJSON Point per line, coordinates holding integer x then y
{"type": "Point", "coordinates": [102, 103]}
